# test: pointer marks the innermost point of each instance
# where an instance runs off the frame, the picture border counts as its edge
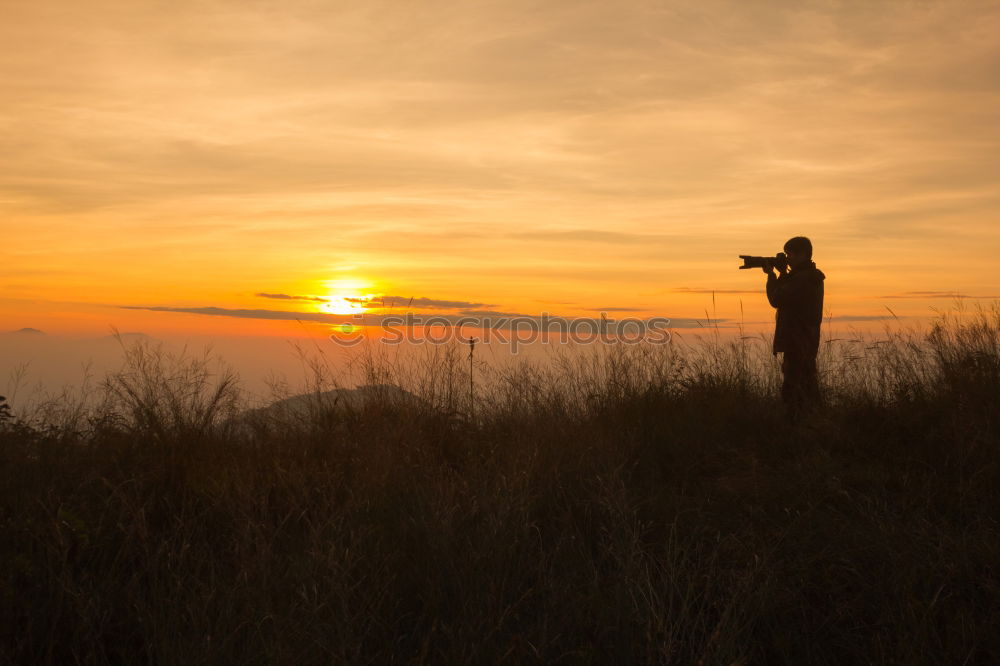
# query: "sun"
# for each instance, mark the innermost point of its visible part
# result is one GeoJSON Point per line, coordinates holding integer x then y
{"type": "Point", "coordinates": [341, 304]}
{"type": "Point", "coordinates": [346, 297]}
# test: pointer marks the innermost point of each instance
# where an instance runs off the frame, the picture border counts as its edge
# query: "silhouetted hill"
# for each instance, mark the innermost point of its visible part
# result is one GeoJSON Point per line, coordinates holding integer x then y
{"type": "Point", "coordinates": [340, 401]}
{"type": "Point", "coordinates": [356, 398]}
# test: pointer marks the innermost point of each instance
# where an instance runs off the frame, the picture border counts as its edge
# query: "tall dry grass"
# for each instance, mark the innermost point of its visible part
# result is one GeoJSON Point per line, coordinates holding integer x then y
{"type": "Point", "coordinates": [630, 504]}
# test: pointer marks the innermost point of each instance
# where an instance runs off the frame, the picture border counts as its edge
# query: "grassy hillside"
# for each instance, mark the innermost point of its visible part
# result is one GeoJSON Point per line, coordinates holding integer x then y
{"type": "Point", "coordinates": [643, 504]}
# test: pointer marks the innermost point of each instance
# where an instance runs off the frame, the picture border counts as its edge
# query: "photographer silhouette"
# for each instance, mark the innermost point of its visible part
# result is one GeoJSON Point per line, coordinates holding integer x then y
{"type": "Point", "coordinates": [797, 294]}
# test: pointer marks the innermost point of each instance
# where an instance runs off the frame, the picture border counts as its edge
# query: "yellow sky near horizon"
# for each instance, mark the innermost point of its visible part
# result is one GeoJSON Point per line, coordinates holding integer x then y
{"type": "Point", "coordinates": [518, 157]}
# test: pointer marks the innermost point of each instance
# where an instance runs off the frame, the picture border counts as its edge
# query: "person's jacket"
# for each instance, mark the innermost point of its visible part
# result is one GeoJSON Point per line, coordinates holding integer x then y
{"type": "Point", "coordinates": [798, 296]}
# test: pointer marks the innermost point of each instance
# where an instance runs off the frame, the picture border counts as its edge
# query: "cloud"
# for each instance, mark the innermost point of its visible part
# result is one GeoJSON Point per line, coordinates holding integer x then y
{"type": "Point", "coordinates": [615, 309]}
{"type": "Point", "coordinates": [595, 236]}
{"type": "Point", "coordinates": [472, 318]}
{"type": "Point", "coordinates": [384, 301]}
{"type": "Point", "coordinates": [686, 322]}
{"type": "Point", "coordinates": [288, 297]}
{"type": "Point", "coordinates": [705, 290]}
{"type": "Point", "coordinates": [404, 99]}
{"type": "Point", "coordinates": [494, 314]}
{"type": "Point", "coordinates": [934, 294]}
{"type": "Point", "coordinates": [244, 313]}
{"type": "Point", "coordinates": [410, 301]}
{"type": "Point", "coordinates": [864, 317]}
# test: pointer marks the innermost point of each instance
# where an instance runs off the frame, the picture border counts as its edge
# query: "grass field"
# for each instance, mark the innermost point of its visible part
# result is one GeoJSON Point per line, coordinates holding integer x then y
{"type": "Point", "coordinates": [644, 504]}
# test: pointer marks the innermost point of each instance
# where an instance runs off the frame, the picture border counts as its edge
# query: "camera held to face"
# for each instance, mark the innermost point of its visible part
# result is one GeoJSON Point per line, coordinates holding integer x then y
{"type": "Point", "coordinates": [778, 261]}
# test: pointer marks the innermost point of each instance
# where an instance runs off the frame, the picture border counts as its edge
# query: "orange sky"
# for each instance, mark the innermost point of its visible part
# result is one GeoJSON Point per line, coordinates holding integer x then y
{"type": "Point", "coordinates": [510, 156]}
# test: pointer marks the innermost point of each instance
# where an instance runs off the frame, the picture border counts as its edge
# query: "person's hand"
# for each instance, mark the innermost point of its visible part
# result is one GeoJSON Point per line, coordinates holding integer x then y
{"type": "Point", "coordinates": [769, 269]}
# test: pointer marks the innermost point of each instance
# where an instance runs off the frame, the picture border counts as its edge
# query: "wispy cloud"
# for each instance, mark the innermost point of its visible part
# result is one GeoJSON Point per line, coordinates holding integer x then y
{"type": "Point", "coordinates": [705, 290]}
{"type": "Point", "coordinates": [494, 314]}
{"type": "Point", "coordinates": [472, 318]}
{"type": "Point", "coordinates": [288, 297]}
{"type": "Point", "coordinates": [383, 301]}
{"type": "Point", "coordinates": [244, 313]}
{"type": "Point", "coordinates": [595, 236]}
{"type": "Point", "coordinates": [934, 294]}
{"type": "Point", "coordinates": [865, 317]}
{"type": "Point", "coordinates": [615, 309]}
{"type": "Point", "coordinates": [410, 301]}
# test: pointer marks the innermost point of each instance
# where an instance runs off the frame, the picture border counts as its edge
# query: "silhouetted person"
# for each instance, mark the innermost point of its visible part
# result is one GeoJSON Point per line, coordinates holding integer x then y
{"type": "Point", "coordinates": [798, 296]}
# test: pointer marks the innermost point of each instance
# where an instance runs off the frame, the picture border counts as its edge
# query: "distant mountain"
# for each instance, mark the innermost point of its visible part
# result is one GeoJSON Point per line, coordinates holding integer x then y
{"type": "Point", "coordinates": [27, 330]}
{"type": "Point", "coordinates": [356, 398]}
{"type": "Point", "coordinates": [382, 397]}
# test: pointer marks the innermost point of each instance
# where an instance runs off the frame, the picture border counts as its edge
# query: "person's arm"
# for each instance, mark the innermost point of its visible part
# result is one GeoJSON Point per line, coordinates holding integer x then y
{"type": "Point", "coordinates": [790, 291]}
{"type": "Point", "coordinates": [775, 287]}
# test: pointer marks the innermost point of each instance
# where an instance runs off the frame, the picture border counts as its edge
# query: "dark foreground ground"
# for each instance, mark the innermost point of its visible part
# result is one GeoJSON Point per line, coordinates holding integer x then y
{"type": "Point", "coordinates": [677, 519]}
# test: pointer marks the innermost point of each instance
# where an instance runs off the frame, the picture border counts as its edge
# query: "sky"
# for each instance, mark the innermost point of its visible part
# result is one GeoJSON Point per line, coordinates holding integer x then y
{"type": "Point", "coordinates": [227, 167]}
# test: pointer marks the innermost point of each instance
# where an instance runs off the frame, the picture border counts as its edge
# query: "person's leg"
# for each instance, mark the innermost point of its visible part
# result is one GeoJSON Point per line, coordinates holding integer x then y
{"type": "Point", "coordinates": [810, 383]}
{"type": "Point", "coordinates": [792, 390]}
{"type": "Point", "coordinates": [804, 397]}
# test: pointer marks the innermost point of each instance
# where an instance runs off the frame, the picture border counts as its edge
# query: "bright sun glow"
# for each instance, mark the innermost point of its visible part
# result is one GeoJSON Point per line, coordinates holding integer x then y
{"type": "Point", "coordinates": [346, 296]}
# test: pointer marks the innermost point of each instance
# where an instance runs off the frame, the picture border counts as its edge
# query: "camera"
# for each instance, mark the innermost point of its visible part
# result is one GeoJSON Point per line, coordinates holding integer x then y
{"type": "Point", "coordinates": [779, 261]}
